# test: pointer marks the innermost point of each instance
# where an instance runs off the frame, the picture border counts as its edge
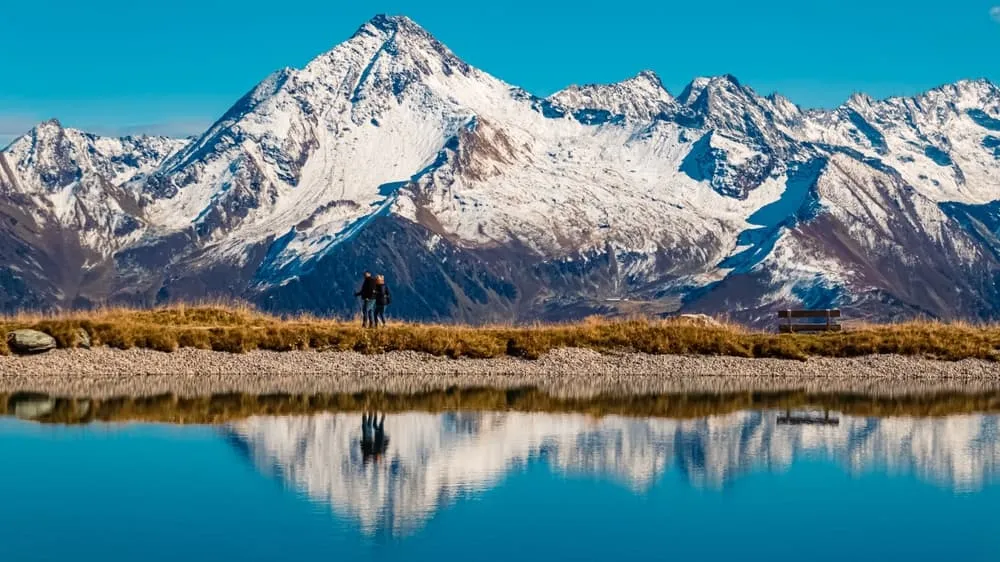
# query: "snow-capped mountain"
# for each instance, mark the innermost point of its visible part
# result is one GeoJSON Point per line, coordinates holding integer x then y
{"type": "Point", "coordinates": [481, 201]}
{"type": "Point", "coordinates": [66, 211]}
{"type": "Point", "coordinates": [431, 460]}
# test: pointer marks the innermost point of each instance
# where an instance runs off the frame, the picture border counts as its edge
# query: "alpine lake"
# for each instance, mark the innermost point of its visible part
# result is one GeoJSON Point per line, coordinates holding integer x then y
{"type": "Point", "coordinates": [745, 476]}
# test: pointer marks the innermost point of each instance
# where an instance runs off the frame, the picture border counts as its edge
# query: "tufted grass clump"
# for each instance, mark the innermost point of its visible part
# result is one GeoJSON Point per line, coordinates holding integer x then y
{"type": "Point", "coordinates": [241, 329]}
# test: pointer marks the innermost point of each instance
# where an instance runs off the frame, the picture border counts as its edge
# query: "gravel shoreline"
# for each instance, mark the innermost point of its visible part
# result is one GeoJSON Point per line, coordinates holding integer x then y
{"type": "Point", "coordinates": [106, 372]}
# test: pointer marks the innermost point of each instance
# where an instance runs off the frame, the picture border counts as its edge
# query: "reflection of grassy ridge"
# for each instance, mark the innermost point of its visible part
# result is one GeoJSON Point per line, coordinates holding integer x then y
{"type": "Point", "coordinates": [228, 407]}
{"type": "Point", "coordinates": [236, 329]}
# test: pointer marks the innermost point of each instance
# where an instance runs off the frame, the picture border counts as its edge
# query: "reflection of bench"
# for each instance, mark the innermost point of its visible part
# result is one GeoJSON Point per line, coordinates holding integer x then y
{"type": "Point", "coordinates": [794, 321]}
{"type": "Point", "coordinates": [788, 418]}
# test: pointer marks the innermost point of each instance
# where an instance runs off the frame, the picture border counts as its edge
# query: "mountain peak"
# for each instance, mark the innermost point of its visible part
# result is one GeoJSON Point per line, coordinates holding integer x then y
{"type": "Point", "coordinates": [647, 77]}
{"type": "Point", "coordinates": [641, 96]}
{"type": "Point", "coordinates": [386, 21]}
{"type": "Point", "coordinates": [52, 124]}
{"type": "Point", "coordinates": [384, 24]}
{"type": "Point", "coordinates": [397, 37]}
{"type": "Point", "coordinates": [982, 82]}
{"type": "Point", "coordinates": [726, 79]}
{"type": "Point", "coordinates": [712, 84]}
{"type": "Point", "coordinates": [48, 129]}
{"type": "Point", "coordinates": [975, 90]}
{"type": "Point", "coordinates": [645, 84]}
{"type": "Point", "coordinates": [859, 100]}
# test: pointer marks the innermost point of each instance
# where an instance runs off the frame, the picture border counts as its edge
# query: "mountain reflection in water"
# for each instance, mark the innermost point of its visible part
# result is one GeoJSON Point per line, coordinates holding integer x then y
{"type": "Point", "coordinates": [426, 460]}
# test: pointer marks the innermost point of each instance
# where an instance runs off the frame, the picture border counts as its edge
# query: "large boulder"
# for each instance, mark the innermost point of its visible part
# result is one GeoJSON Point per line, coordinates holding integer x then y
{"type": "Point", "coordinates": [30, 341]}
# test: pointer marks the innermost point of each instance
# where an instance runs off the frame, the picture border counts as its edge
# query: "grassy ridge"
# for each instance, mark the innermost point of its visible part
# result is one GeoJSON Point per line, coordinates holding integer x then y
{"type": "Point", "coordinates": [223, 408]}
{"type": "Point", "coordinates": [238, 330]}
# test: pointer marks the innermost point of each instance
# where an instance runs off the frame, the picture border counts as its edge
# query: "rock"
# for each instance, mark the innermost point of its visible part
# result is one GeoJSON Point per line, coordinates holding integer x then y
{"type": "Point", "coordinates": [700, 320]}
{"type": "Point", "coordinates": [82, 339]}
{"type": "Point", "coordinates": [30, 341]}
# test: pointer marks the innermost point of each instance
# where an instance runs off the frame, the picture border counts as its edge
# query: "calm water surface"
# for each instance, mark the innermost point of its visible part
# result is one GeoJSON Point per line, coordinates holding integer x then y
{"type": "Point", "coordinates": [504, 486]}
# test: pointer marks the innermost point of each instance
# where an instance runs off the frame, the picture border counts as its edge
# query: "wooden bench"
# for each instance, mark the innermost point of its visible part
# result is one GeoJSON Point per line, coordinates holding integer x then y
{"type": "Point", "coordinates": [797, 321]}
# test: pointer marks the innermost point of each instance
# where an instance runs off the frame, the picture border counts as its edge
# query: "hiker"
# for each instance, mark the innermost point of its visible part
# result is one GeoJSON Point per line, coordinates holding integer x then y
{"type": "Point", "coordinates": [382, 299]}
{"type": "Point", "coordinates": [367, 294]}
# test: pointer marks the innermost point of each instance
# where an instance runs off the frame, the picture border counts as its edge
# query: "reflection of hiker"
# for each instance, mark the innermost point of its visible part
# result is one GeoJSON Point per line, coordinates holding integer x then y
{"type": "Point", "coordinates": [382, 299]}
{"type": "Point", "coordinates": [373, 440]}
{"type": "Point", "coordinates": [367, 294]}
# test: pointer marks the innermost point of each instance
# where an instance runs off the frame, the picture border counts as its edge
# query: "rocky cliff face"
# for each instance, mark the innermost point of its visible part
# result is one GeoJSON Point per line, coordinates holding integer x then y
{"type": "Point", "coordinates": [483, 202]}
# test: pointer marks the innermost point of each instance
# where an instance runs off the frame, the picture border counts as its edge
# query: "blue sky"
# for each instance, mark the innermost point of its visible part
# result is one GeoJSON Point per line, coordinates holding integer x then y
{"type": "Point", "coordinates": [124, 66]}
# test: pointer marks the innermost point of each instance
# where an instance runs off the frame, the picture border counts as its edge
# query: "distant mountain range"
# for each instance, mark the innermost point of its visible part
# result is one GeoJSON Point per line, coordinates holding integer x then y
{"type": "Point", "coordinates": [482, 202]}
{"type": "Point", "coordinates": [432, 460]}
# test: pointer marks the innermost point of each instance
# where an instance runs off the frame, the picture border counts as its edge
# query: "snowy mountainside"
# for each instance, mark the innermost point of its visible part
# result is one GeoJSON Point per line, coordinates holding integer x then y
{"type": "Point", "coordinates": [65, 209]}
{"type": "Point", "coordinates": [432, 460]}
{"type": "Point", "coordinates": [484, 202]}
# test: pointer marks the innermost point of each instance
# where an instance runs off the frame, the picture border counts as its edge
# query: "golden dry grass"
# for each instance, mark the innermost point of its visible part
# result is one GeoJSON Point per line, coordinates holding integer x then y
{"type": "Point", "coordinates": [223, 408]}
{"type": "Point", "coordinates": [238, 329]}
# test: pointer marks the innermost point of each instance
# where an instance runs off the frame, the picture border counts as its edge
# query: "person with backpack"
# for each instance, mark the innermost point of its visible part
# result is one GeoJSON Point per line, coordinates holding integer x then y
{"type": "Point", "coordinates": [382, 299]}
{"type": "Point", "coordinates": [367, 294]}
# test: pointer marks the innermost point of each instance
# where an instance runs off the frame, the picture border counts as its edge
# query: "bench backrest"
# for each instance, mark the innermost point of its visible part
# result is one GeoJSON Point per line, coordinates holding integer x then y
{"type": "Point", "coordinates": [791, 321]}
{"type": "Point", "coordinates": [827, 313]}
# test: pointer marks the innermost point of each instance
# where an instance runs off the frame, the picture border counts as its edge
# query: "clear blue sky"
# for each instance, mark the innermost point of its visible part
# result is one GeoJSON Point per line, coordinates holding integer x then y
{"type": "Point", "coordinates": [119, 66]}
